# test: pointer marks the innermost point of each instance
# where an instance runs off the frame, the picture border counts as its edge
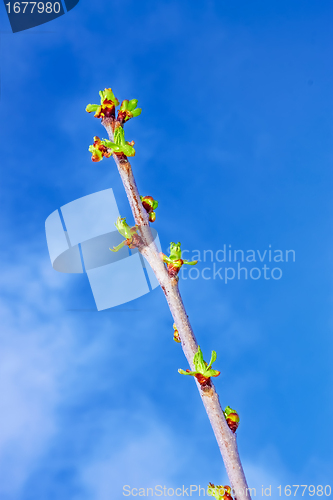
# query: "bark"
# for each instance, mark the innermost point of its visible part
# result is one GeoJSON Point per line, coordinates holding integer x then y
{"type": "Point", "coordinates": [225, 438]}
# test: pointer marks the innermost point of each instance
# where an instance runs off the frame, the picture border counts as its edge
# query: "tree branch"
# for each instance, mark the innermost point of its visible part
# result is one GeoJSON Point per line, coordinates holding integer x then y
{"type": "Point", "coordinates": [225, 438]}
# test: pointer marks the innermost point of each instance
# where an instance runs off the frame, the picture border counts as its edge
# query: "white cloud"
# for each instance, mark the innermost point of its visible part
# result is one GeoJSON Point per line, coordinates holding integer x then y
{"type": "Point", "coordinates": [133, 447]}
{"type": "Point", "coordinates": [32, 357]}
{"type": "Point", "coordinates": [145, 461]}
{"type": "Point", "coordinates": [46, 362]}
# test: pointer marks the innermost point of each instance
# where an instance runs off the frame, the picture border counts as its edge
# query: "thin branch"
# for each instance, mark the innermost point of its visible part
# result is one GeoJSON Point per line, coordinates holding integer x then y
{"type": "Point", "coordinates": [225, 438]}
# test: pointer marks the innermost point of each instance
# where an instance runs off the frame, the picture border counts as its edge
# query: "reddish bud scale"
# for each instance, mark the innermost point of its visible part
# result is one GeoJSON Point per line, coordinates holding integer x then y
{"type": "Point", "coordinates": [173, 269]}
{"type": "Point", "coordinates": [121, 156]}
{"type": "Point", "coordinates": [124, 116]}
{"type": "Point", "coordinates": [203, 381]}
{"type": "Point", "coordinates": [106, 110]}
{"type": "Point", "coordinates": [233, 426]}
{"type": "Point", "coordinates": [233, 421]}
{"type": "Point", "coordinates": [104, 150]}
{"type": "Point", "coordinates": [147, 206]}
{"type": "Point", "coordinates": [95, 158]}
{"type": "Point", "coordinates": [134, 242]}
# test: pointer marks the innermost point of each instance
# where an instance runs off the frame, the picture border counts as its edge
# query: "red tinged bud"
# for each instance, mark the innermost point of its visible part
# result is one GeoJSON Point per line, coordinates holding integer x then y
{"type": "Point", "coordinates": [105, 110]}
{"type": "Point", "coordinates": [98, 150]}
{"type": "Point", "coordinates": [220, 492]}
{"type": "Point", "coordinates": [233, 422]}
{"type": "Point", "coordinates": [203, 381]}
{"type": "Point", "coordinates": [149, 204]}
{"type": "Point", "coordinates": [232, 418]}
{"type": "Point", "coordinates": [122, 115]}
{"type": "Point", "coordinates": [203, 371]}
{"type": "Point", "coordinates": [174, 268]}
{"type": "Point", "coordinates": [176, 337]}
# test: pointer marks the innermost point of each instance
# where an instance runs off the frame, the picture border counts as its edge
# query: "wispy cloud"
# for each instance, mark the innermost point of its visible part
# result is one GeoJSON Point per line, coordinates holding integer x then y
{"type": "Point", "coordinates": [32, 359]}
{"type": "Point", "coordinates": [145, 460]}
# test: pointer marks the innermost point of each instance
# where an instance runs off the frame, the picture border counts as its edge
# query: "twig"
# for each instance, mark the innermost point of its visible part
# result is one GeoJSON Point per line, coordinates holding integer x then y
{"type": "Point", "coordinates": [226, 439]}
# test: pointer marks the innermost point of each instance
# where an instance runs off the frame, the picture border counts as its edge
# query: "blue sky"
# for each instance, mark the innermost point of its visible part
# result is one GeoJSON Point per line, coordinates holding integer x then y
{"type": "Point", "coordinates": [235, 142]}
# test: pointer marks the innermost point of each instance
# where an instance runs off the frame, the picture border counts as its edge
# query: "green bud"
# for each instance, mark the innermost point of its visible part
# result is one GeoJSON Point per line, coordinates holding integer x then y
{"type": "Point", "coordinates": [228, 410]}
{"type": "Point", "coordinates": [122, 145]}
{"type": "Point", "coordinates": [91, 108]}
{"type": "Point", "coordinates": [123, 228]}
{"type": "Point", "coordinates": [124, 105]}
{"type": "Point", "coordinates": [97, 155]}
{"type": "Point", "coordinates": [109, 95]}
{"type": "Point", "coordinates": [128, 150]}
{"type": "Point", "coordinates": [132, 104]}
{"type": "Point", "coordinates": [132, 239]}
{"type": "Point", "coordinates": [202, 372]}
{"type": "Point", "coordinates": [119, 136]}
{"type": "Point", "coordinates": [108, 144]}
{"type": "Point", "coordinates": [232, 418]}
{"type": "Point", "coordinates": [136, 112]}
{"type": "Point", "coordinates": [175, 251]}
